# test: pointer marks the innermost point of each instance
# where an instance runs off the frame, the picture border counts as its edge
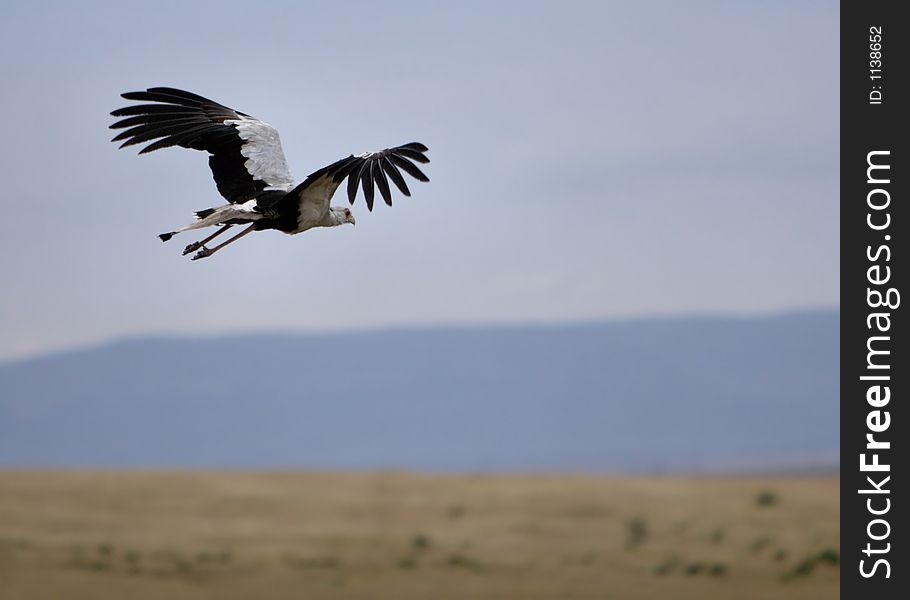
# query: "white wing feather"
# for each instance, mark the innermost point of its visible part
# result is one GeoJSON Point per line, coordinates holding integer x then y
{"type": "Point", "coordinates": [262, 149]}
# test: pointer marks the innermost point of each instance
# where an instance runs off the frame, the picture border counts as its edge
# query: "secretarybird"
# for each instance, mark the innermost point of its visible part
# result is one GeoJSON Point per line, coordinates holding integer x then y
{"type": "Point", "coordinates": [250, 170]}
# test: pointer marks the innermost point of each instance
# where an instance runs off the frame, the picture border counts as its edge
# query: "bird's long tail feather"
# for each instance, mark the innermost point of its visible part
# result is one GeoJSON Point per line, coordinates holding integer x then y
{"type": "Point", "coordinates": [210, 217]}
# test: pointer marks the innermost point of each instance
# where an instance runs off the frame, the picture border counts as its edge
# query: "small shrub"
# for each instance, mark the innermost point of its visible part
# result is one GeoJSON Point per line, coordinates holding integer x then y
{"type": "Point", "coordinates": [802, 568]}
{"type": "Point", "coordinates": [766, 499]}
{"type": "Point", "coordinates": [718, 570]}
{"type": "Point", "coordinates": [828, 556]}
{"type": "Point", "coordinates": [460, 560]}
{"type": "Point", "coordinates": [694, 569]}
{"type": "Point", "coordinates": [759, 544]}
{"type": "Point", "coordinates": [717, 536]}
{"type": "Point", "coordinates": [636, 532]}
{"type": "Point", "coordinates": [421, 542]}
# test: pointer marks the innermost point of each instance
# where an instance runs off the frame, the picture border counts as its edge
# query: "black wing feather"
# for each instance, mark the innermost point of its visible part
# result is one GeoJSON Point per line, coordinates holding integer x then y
{"type": "Point", "coordinates": [188, 138]}
{"type": "Point", "coordinates": [188, 96]}
{"type": "Point", "coordinates": [152, 120]}
{"type": "Point", "coordinates": [381, 182]}
{"type": "Point", "coordinates": [353, 180]}
{"type": "Point", "coordinates": [169, 95]}
{"type": "Point", "coordinates": [409, 167]}
{"type": "Point", "coordinates": [150, 131]}
{"type": "Point", "coordinates": [412, 154]}
{"type": "Point", "coordinates": [366, 179]}
{"type": "Point", "coordinates": [369, 171]}
{"type": "Point", "coordinates": [394, 175]}
{"type": "Point", "coordinates": [145, 112]}
{"type": "Point", "coordinates": [349, 164]}
{"type": "Point", "coordinates": [414, 146]}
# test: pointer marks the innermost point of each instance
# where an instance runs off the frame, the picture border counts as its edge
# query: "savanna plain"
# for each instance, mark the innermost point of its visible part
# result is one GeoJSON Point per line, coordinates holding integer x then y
{"type": "Point", "coordinates": [226, 535]}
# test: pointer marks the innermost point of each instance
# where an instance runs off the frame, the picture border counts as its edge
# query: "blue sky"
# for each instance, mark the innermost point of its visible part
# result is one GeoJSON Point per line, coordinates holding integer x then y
{"type": "Point", "coordinates": [596, 160]}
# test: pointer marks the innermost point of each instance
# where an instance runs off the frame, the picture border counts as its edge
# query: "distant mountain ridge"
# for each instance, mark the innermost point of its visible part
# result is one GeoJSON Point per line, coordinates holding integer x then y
{"type": "Point", "coordinates": [651, 395]}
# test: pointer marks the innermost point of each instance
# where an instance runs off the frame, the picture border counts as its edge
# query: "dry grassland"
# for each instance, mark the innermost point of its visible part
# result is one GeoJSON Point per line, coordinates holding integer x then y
{"type": "Point", "coordinates": [195, 535]}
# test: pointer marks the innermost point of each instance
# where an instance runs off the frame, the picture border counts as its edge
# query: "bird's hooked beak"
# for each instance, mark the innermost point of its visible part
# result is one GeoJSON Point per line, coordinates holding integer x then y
{"type": "Point", "coordinates": [351, 220]}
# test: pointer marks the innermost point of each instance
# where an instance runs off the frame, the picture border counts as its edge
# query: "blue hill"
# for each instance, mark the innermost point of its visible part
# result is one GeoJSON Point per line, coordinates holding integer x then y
{"type": "Point", "coordinates": [662, 395]}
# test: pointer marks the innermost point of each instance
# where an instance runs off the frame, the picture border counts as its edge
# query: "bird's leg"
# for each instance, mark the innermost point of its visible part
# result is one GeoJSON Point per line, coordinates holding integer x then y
{"type": "Point", "coordinates": [197, 245]}
{"type": "Point", "coordinates": [210, 251]}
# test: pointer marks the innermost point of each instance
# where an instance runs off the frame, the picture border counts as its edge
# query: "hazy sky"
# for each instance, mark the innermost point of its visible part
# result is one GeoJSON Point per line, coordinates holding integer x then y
{"type": "Point", "coordinates": [590, 160]}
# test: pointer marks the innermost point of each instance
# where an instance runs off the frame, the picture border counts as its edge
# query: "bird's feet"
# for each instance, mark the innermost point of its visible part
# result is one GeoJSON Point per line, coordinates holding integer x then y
{"type": "Point", "coordinates": [192, 248]}
{"type": "Point", "coordinates": [202, 253]}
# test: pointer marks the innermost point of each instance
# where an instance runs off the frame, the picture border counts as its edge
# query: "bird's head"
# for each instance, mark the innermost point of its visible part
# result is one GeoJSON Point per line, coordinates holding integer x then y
{"type": "Point", "coordinates": [343, 215]}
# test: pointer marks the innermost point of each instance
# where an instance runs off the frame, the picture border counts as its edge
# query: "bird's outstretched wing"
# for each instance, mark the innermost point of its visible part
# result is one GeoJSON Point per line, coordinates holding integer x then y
{"type": "Point", "coordinates": [246, 153]}
{"type": "Point", "coordinates": [369, 170]}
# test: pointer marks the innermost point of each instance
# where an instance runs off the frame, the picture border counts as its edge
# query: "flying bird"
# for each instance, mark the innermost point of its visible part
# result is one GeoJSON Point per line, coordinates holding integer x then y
{"type": "Point", "coordinates": [250, 170]}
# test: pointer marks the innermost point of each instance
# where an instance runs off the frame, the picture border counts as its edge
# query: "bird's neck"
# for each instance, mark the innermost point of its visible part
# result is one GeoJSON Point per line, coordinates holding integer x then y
{"type": "Point", "coordinates": [333, 218]}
